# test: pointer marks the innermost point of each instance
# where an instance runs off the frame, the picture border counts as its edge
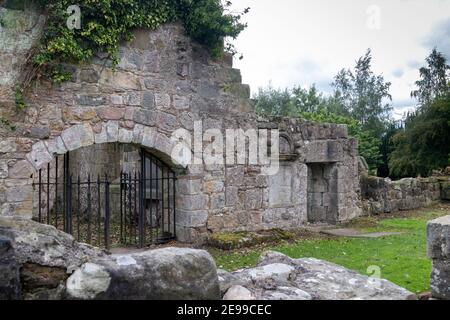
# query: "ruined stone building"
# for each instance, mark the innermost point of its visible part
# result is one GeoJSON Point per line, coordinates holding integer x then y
{"type": "Point", "coordinates": [109, 121]}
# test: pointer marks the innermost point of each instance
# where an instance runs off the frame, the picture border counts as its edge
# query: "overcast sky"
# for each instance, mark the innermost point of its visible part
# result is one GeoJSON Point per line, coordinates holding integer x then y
{"type": "Point", "coordinates": [301, 42]}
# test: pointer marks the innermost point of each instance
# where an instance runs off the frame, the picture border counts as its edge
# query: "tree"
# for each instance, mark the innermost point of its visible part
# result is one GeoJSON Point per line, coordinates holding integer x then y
{"type": "Point", "coordinates": [424, 144]}
{"type": "Point", "coordinates": [433, 83]}
{"type": "Point", "coordinates": [274, 102]}
{"type": "Point", "coordinates": [363, 94]}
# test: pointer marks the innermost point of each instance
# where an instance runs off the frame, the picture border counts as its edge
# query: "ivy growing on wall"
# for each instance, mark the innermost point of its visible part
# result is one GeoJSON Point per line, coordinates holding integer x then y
{"type": "Point", "coordinates": [105, 23]}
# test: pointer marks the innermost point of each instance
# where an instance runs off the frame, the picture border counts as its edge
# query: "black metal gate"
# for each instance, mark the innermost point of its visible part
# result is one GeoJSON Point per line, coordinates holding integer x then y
{"type": "Point", "coordinates": [135, 209]}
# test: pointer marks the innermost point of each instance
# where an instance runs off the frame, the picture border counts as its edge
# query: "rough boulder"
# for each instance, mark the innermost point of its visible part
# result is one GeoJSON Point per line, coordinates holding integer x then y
{"type": "Point", "coordinates": [38, 261]}
{"type": "Point", "coordinates": [278, 277]}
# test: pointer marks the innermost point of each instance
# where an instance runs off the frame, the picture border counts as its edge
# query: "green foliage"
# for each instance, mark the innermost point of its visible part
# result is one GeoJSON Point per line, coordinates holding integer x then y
{"type": "Point", "coordinates": [292, 102]}
{"type": "Point", "coordinates": [364, 95]}
{"type": "Point", "coordinates": [433, 83]}
{"type": "Point", "coordinates": [368, 145]}
{"type": "Point", "coordinates": [19, 100]}
{"type": "Point", "coordinates": [424, 144]}
{"type": "Point", "coordinates": [105, 23]}
{"type": "Point", "coordinates": [5, 123]}
{"type": "Point", "coordinates": [274, 102]}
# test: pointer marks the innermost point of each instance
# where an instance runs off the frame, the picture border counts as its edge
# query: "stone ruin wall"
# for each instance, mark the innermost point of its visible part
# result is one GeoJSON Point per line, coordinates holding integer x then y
{"type": "Point", "coordinates": [165, 82]}
{"type": "Point", "coordinates": [382, 195]}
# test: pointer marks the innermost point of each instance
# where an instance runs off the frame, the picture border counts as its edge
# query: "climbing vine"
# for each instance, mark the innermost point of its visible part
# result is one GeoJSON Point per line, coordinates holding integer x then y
{"type": "Point", "coordinates": [105, 23]}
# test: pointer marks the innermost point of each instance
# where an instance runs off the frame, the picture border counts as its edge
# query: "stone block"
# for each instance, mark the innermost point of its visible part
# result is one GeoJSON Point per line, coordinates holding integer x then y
{"type": "Point", "coordinates": [56, 146]}
{"type": "Point", "coordinates": [231, 196]}
{"type": "Point", "coordinates": [110, 113]}
{"type": "Point", "coordinates": [253, 199]}
{"type": "Point", "coordinates": [438, 238]}
{"type": "Point", "coordinates": [19, 193]}
{"type": "Point", "coordinates": [112, 131]}
{"type": "Point", "coordinates": [192, 219]}
{"type": "Point", "coordinates": [217, 201]}
{"type": "Point", "coordinates": [440, 279]}
{"type": "Point", "coordinates": [39, 155]}
{"type": "Point", "coordinates": [162, 101]}
{"type": "Point", "coordinates": [180, 102]}
{"type": "Point", "coordinates": [193, 202]}
{"type": "Point", "coordinates": [189, 186]}
{"type": "Point", "coordinates": [145, 117]}
{"type": "Point", "coordinates": [21, 170]}
{"type": "Point", "coordinates": [90, 100]}
{"type": "Point", "coordinates": [125, 136]}
{"type": "Point", "coordinates": [116, 100]}
{"type": "Point", "coordinates": [167, 121]}
{"type": "Point", "coordinates": [213, 186]}
{"type": "Point", "coordinates": [3, 169]}
{"type": "Point", "coordinates": [148, 100]}
{"type": "Point", "coordinates": [40, 132]}
{"type": "Point", "coordinates": [78, 136]}
{"type": "Point", "coordinates": [148, 137]}
{"type": "Point", "coordinates": [138, 133]}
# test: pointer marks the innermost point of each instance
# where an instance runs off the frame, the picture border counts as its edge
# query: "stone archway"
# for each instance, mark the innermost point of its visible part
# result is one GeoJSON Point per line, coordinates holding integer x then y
{"type": "Point", "coordinates": [20, 195]}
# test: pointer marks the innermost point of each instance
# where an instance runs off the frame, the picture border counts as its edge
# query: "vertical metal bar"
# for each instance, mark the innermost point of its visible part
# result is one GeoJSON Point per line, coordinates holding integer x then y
{"type": "Point", "coordinates": [130, 211]}
{"type": "Point", "coordinates": [143, 195]}
{"type": "Point", "coordinates": [78, 206]}
{"type": "Point", "coordinates": [69, 205]}
{"type": "Point", "coordinates": [125, 206]}
{"type": "Point", "coordinates": [162, 202]}
{"type": "Point", "coordinates": [135, 213]}
{"type": "Point", "coordinates": [174, 207]}
{"type": "Point", "coordinates": [150, 190]}
{"type": "Point", "coordinates": [158, 220]}
{"type": "Point", "coordinates": [68, 188]}
{"type": "Point", "coordinates": [121, 208]}
{"type": "Point", "coordinates": [40, 195]}
{"type": "Point", "coordinates": [48, 193]}
{"type": "Point", "coordinates": [142, 217]}
{"type": "Point", "coordinates": [169, 209]}
{"type": "Point", "coordinates": [98, 210]}
{"type": "Point", "coordinates": [64, 185]}
{"type": "Point", "coordinates": [56, 193]}
{"type": "Point", "coordinates": [151, 198]}
{"type": "Point", "coordinates": [107, 213]}
{"type": "Point", "coordinates": [89, 209]}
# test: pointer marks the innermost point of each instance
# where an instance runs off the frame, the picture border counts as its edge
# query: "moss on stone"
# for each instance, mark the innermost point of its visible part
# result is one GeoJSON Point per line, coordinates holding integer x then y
{"type": "Point", "coordinates": [235, 240]}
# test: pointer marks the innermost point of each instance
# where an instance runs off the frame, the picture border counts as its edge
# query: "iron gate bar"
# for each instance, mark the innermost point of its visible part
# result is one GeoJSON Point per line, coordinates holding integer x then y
{"type": "Point", "coordinates": [107, 213]}
{"type": "Point", "coordinates": [48, 193]}
{"type": "Point", "coordinates": [40, 192]}
{"type": "Point", "coordinates": [89, 209]}
{"type": "Point", "coordinates": [150, 190]}
{"type": "Point", "coordinates": [98, 210]}
{"type": "Point", "coordinates": [78, 207]}
{"type": "Point", "coordinates": [56, 193]}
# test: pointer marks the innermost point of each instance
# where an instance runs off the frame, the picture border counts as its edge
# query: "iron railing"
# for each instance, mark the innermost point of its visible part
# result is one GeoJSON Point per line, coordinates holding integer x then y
{"type": "Point", "coordinates": [136, 209]}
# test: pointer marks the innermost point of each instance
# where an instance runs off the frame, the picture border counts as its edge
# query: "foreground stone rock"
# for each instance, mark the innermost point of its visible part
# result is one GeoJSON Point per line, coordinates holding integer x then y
{"type": "Point", "coordinates": [169, 273]}
{"type": "Point", "coordinates": [40, 262]}
{"type": "Point", "coordinates": [39, 259]}
{"type": "Point", "coordinates": [278, 277]}
{"type": "Point", "coordinates": [438, 242]}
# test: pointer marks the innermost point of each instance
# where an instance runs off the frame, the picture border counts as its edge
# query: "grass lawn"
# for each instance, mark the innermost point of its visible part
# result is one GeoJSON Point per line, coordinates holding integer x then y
{"type": "Point", "coordinates": [401, 258]}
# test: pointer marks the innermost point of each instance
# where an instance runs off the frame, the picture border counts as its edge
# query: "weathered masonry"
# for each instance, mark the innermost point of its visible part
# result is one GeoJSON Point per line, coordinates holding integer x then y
{"type": "Point", "coordinates": [104, 120]}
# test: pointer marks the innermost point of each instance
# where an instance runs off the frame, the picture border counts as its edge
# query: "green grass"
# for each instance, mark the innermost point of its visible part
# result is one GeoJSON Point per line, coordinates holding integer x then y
{"type": "Point", "coordinates": [402, 258]}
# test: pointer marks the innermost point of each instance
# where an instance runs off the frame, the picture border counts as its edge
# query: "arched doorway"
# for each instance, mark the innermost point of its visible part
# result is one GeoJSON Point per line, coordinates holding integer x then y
{"type": "Point", "coordinates": [109, 195]}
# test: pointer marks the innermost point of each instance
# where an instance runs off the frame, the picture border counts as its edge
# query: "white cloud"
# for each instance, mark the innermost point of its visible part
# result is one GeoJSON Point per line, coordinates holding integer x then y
{"type": "Point", "coordinates": [301, 42]}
